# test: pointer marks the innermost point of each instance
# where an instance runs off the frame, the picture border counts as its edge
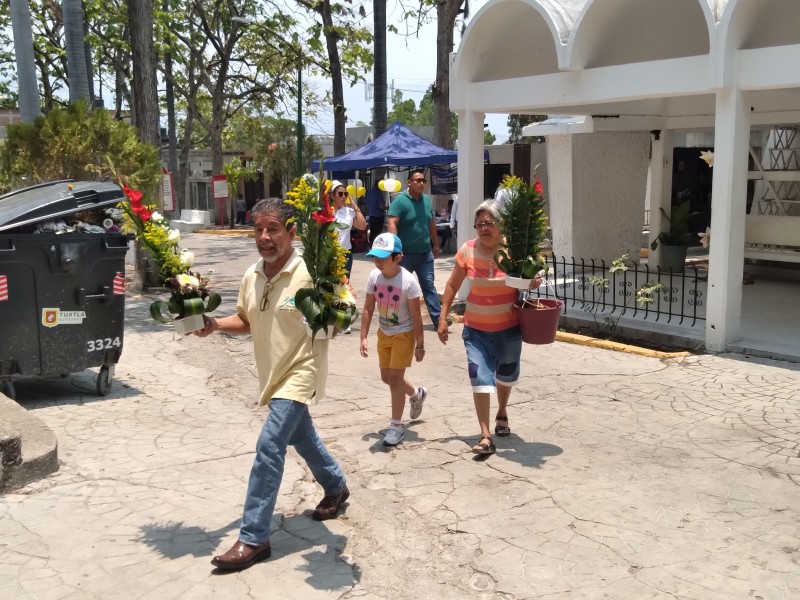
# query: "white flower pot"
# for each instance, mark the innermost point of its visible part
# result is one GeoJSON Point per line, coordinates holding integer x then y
{"type": "Point", "coordinates": [519, 283]}
{"type": "Point", "coordinates": [321, 335]}
{"type": "Point", "coordinates": [189, 324]}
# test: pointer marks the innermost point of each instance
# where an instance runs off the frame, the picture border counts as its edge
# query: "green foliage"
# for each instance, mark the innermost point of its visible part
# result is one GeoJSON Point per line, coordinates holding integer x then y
{"type": "Point", "coordinates": [407, 113]}
{"type": "Point", "coordinates": [234, 171]}
{"type": "Point", "coordinates": [524, 228]}
{"type": "Point", "coordinates": [515, 125]}
{"type": "Point", "coordinates": [644, 297]}
{"type": "Point", "coordinates": [678, 233]}
{"type": "Point", "coordinates": [74, 143]}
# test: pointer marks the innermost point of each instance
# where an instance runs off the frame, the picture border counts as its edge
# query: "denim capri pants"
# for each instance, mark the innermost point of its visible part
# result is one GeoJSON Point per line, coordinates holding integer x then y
{"type": "Point", "coordinates": [492, 357]}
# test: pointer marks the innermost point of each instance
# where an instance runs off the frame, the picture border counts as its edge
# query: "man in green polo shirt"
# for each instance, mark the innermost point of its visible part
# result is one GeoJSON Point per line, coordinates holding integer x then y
{"type": "Point", "coordinates": [411, 218]}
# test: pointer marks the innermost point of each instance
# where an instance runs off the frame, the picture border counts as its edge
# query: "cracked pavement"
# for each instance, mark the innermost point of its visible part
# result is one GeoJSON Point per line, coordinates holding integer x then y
{"type": "Point", "coordinates": [624, 477]}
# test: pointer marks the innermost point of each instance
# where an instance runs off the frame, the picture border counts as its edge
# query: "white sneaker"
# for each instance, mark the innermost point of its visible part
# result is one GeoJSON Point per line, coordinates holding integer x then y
{"type": "Point", "coordinates": [394, 435]}
{"type": "Point", "coordinates": [348, 331]}
{"type": "Point", "coordinates": [416, 404]}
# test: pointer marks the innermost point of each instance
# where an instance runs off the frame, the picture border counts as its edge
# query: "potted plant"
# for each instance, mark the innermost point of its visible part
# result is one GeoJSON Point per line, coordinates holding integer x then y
{"type": "Point", "coordinates": [674, 241]}
{"type": "Point", "coordinates": [524, 228]}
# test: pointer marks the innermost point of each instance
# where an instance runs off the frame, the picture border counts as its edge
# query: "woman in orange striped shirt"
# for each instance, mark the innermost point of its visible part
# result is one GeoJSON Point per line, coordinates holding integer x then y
{"type": "Point", "coordinates": [491, 333]}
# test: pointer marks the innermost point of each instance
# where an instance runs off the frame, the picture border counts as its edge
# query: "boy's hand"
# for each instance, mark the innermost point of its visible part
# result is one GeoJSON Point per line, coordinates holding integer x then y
{"type": "Point", "coordinates": [364, 346]}
{"type": "Point", "coordinates": [419, 354]}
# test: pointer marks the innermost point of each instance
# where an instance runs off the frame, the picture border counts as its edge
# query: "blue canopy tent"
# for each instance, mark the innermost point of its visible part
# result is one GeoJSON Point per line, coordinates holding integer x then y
{"type": "Point", "coordinates": [398, 146]}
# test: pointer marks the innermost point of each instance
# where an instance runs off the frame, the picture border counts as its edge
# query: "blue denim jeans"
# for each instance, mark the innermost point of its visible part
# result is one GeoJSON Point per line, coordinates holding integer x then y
{"type": "Point", "coordinates": [492, 356]}
{"type": "Point", "coordinates": [288, 423]}
{"type": "Point", "coordinates": [421, 263]}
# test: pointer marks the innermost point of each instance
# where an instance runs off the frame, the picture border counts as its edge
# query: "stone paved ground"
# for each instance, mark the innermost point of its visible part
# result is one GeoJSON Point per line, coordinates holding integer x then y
{"type": "Point", "coordinates": [625, 477]}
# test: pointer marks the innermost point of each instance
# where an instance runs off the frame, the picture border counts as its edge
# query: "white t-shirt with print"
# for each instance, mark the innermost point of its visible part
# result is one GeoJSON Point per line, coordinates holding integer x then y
{"type": "Point", "coordinates": [391, 299]}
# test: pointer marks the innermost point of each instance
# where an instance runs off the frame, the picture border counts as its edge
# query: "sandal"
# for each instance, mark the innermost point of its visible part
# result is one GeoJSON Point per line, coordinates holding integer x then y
{"type": "Point", "coordinates": [484, 448]}
{"type": "Point", "coordinates": [501, 427]}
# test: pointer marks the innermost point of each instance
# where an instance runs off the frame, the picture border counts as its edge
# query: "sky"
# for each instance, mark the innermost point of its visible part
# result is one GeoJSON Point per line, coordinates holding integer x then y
{"type": "Point", "coordinates": [411, 68]}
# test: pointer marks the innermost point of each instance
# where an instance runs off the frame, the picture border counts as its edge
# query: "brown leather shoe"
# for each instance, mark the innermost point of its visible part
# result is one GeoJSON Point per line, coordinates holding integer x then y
{"type": "Point", "coordinates": [241, 556]}
{"type": "Point", "coordinates": [329, 506]}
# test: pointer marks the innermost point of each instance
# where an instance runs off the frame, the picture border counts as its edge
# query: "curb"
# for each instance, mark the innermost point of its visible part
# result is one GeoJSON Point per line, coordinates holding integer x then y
{"type": "Point", "coordinates": [584, 340]}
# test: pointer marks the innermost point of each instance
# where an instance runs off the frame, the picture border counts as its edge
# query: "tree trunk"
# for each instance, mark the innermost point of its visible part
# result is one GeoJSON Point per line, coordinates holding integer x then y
{"type": "Point", "coordinates": [77, 70]}
{"type": "Point", "coordinates": [446, 13]}
{"type": "Point", "coordinates": [29, 104]}
{"type": "Point", "coordinates": [379, 91]}
{"type": "Point", "coordinates": [145, 99]}
{"type": "Point", "coordinates": [337, 89]}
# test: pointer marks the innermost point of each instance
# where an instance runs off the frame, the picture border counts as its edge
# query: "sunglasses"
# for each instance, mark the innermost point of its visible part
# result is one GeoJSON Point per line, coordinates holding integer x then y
{"type": "Point", "coordinates": [265, 296]}
{"type": "Point", "coordinates": [420, 180]}
{"type": "Point", "coordinates": [485, 225]}
{"type": "Point", "coordinates": [341, 193]}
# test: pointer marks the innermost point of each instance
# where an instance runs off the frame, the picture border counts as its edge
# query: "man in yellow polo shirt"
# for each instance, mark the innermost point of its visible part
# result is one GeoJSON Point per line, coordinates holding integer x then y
{"type": "Point", "coordinates": [291, 373]}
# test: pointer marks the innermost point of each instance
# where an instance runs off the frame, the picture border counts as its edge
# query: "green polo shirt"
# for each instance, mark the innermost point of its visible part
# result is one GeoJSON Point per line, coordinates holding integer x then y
{"type": "Point", "coordinates": [413, 227]}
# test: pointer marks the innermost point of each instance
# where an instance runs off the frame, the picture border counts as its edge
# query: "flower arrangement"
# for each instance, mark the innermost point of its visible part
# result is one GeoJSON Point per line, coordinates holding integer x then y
{"type": "Point", "coordinates": [524, 228]}
{"type": "Point", "coordinates": [189, 293]}
{"type": "Point", "coordinates": [330, 302]}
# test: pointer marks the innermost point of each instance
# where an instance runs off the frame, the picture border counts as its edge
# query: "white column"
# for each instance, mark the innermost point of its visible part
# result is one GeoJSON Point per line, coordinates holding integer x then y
{"type": "Point", "coordinates": [470, 175]}
{"type": "Point", "coordinates": [660, 190]}
{"type": "Point", "coordinates": [470, 170]}
{"type": "Point", "coordinates": [728, 206]}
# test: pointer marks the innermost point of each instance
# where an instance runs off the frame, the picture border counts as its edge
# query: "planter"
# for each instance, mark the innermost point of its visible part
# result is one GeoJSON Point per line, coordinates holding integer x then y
{"type": "Point", "coordinates": [189, 324]}
{"type": "Point", "coordinates": [520, 283]}
{"type": "Point", "coordinates": [538, 319]}
{"type": "Point", "coordinates": [673, 257]}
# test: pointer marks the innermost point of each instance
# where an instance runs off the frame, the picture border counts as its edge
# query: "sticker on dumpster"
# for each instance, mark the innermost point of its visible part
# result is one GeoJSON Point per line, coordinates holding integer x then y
{"type": "Point", "coordinates": [119, 284]}
{"type": "Point", "coordinates": [3, 288]}
{"type": "Point", "coordinates": [55, 316]}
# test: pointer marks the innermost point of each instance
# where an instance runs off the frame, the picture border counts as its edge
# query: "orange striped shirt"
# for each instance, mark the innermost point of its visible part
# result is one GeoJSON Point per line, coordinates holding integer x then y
{"type": "Point", "coordinates": [490, 300]}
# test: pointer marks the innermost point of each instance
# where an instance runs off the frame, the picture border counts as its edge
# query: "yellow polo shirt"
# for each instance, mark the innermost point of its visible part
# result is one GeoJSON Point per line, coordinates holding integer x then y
{"type": "Point", "coordinates": [289, 366]}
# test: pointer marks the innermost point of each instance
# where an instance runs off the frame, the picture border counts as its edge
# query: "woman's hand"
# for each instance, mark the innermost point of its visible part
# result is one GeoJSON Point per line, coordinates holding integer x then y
{"type": "Point", "coordinates": [442, 331]}
{"type": "Point", "coordinates": [535, 282]}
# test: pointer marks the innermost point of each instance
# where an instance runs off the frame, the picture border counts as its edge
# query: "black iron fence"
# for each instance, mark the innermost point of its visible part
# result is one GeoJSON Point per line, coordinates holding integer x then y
{"type": "Point", "coordinates": [594, 286]}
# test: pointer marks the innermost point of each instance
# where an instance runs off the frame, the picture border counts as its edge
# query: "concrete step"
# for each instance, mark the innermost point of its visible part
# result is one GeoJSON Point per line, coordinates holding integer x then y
{"type": "Point", "coordinates": [28, 449]}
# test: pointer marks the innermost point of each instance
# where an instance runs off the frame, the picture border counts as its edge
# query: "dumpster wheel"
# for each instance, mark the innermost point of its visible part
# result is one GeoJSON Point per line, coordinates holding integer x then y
{"type": "Point", "coordinates": [7, 387]}
{"type": "Point", "coordinates": [104, 379]}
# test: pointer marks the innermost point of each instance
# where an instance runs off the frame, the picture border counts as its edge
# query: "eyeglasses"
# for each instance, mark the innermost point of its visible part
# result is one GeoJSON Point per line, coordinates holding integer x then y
{"type": "Point", "coordinates": [422, 180]}
{"type": "Point", "coordinates": [341, 193]}
{"type": "Point", "coordinates": [265, 296]}
{"type": "Point", "coordinates": [485, 224]}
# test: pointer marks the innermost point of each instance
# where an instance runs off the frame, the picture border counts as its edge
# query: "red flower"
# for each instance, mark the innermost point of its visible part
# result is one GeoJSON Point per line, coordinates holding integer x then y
{"type": "Point", "coordinates": [537, 187]}
{"type": "Point", "coordinates": [325, 214]}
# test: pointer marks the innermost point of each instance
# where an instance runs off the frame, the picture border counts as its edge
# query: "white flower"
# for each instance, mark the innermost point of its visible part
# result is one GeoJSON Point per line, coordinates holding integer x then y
{"type": "Point", "coordinates": [342, 295]}
{"type": "Point", "coordinates": [174, 236]}
{"type": "Point", "coordinates": [184, 280]}
{"type": "Point", "coordinates": [705, 238]}
{"type": "Point", "coordinates": [156, 216]}
{"type": "Point", "coordinates": [708, 157]}
{"type": "Point", "coordinates": [187, 258]}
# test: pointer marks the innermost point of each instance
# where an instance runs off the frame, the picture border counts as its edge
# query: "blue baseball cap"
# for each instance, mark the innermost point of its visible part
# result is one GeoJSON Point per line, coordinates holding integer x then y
{"type": "Point", "coordinates": [385, 245]}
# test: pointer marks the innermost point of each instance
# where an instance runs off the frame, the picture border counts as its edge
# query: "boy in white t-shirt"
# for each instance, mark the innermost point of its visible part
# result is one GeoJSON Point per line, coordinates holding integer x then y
{"type": "Point", "coordinates": [396, 293]}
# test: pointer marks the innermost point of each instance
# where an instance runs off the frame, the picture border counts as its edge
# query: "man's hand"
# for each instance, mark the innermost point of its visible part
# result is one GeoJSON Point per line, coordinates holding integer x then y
{"type": "Point", "coordinates": [436, 250]}
{"type": "Point", "coordinates": [210, 327]}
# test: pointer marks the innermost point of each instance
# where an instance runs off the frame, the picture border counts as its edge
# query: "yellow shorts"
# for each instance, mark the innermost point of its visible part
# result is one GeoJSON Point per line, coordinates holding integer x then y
{"type": "Point", "coordinates": [396, 351]}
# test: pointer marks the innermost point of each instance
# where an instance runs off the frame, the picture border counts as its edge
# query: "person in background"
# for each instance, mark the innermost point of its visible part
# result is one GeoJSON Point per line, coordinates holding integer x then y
{"type": "Point", "coordinates": [347, 215]}
{"type": "Point", "coordinates": [491, 334]}
{"type": "Point", "coordinates": [445, 233]}
{"type": "Point", "coordinates": [376, 211]}
{"type": "Point", "coordinates": [501, 195]}
{"type": "Point", "coordinates": [396, 293]}
{"type": "Point", "coordinates": [411, 218]}
{"type": "Point", "coordinates": [240, 206]}
{"type": "Point", "coordinates": [292, 371]}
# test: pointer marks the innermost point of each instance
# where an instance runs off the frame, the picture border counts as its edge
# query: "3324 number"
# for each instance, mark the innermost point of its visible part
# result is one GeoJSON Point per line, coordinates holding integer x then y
{"type": "Point", "coordinates": [103, 344]}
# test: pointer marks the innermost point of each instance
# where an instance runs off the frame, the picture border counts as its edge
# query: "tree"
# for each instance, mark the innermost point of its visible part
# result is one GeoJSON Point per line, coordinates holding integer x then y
{"type": "Point", "coordinates": [146, 113]}
{"type": "Point", "coordinates": [352, 60]}
{"type": "Point", "coordinates": [515, 125]}
{"type": "Point", "coordinates": [379, 109]}
{"type": "Point", "coordinates": [77, 69]}
{"type": "Point", "coordinates": [26, 69]}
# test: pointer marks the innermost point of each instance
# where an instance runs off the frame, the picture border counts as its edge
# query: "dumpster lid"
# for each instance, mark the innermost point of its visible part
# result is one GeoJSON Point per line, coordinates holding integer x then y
{"type": "Point", "coordinates": [54, 199]}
